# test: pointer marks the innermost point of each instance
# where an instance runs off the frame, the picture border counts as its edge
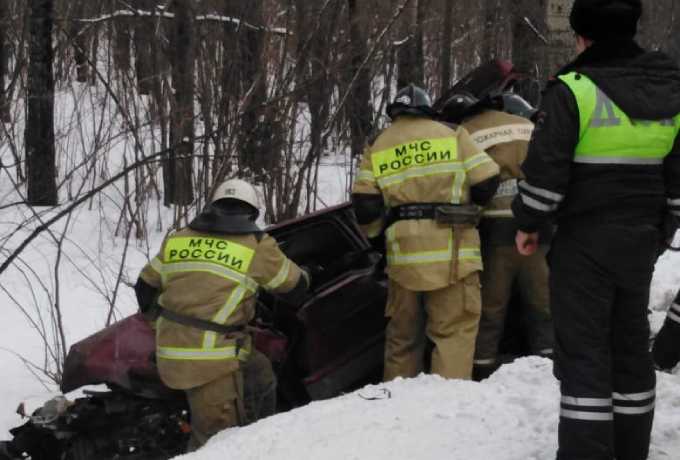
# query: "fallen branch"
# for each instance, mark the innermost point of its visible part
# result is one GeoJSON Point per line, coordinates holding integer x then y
{"type": "Point", "coordinates": [64, 212]}
{"type": "Point", "coordinates": [135, 13]}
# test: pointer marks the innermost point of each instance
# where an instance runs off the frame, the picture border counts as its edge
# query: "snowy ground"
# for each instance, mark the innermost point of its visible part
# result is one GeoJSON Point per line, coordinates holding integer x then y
{"type": "Point", "coordinates": [510, 416]}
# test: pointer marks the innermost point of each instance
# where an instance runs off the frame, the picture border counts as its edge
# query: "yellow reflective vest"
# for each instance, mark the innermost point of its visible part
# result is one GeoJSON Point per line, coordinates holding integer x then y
{"type": "Point", "coordinates": [213, 277]}
{"type": "Point", "coordinates": [607, 136]}
{"type": "Point", "coordinates": [417, 160]}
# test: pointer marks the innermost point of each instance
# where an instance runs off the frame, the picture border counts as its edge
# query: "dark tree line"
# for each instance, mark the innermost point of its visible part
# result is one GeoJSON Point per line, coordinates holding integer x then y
{"type": "Point", "coordinates": [261, 89]}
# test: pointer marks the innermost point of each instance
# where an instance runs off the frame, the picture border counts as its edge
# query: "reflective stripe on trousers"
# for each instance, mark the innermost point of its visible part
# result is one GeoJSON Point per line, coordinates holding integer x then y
{"type": "Point", "coordinates": [603, 409]}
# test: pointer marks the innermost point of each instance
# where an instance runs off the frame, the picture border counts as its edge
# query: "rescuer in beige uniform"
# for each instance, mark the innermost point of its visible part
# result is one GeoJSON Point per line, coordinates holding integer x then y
{"type": "Point", "coordinates": [418, 179]}
{"type": "Point", "coordinates": [502, 128]}
{"type": "Point", "coordinates": [205, 279]}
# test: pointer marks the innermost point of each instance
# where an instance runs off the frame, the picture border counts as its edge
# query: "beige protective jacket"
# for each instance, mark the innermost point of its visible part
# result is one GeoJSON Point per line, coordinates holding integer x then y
{"type": "Point", "coordinates": [418, 160]}
{"type": "Point", "coordinates": [213, 277]}
{"type": "Point", "coordinates": [505, 137]}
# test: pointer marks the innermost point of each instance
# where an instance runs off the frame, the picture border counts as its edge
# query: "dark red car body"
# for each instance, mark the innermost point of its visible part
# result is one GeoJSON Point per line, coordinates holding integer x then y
{"type": "Point", "coordinates": [332, 342]}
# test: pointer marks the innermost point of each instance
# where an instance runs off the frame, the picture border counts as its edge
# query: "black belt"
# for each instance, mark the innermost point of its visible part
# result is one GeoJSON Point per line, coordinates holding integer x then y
{"type": "Point", "coordinates": [442, 213]}
{"type": "Point", "coordinates": [415, 211]}
{"type": "Point", "coordinates": [200, 323]}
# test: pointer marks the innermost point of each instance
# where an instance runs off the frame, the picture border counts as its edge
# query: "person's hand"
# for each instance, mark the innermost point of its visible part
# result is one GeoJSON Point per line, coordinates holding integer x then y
{"type": "Point", "coordinates": [527, 243]}
{"type": "Point", "coordinates": [313, 270]}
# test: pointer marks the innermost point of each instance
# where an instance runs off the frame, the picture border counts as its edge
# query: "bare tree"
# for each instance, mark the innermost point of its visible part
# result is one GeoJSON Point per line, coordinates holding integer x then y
{"type": "Point", "coordinates": [80, 42]}
{"type": "Point", "coordinates": [410, 54]}
{"type": "Point", "coordinates": [445, 46]}
{"type": "Point", "coordinates": [529, 46]}
{"type": "Point", "coordinates": [39, 131]}
{"type": "Point", "coordinates": [178, 177]}
{"type": "Point", "coordinates": [4, 23]}
{"type": "Point", "coordinates": [143, 41]}
{"type": "Point", "coordinates": [256, 124]}
{"type": "Point", "coordinates": [359, 110]}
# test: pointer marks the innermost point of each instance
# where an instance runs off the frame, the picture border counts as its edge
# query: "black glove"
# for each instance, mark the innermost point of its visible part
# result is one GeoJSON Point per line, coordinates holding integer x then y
{"type": "Point", "coordinates": [666, 349]}
{"type": "Point", "coordinates": [670, 226]}
{"type": "Point", "coordinates": [147, 299]}
{"type": "Point", "coordinates": [314, 271]}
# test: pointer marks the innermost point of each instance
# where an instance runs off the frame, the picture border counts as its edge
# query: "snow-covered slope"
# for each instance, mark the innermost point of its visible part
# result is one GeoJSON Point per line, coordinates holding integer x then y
{"type": "Point", "coordinates": [510, 416]}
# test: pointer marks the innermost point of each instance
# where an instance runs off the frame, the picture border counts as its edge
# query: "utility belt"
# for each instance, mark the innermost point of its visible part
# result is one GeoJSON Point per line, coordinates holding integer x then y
{"type": "Point", "coordinates": [442, 213]}
{"type": "Point", "coordinates": [197, 323]}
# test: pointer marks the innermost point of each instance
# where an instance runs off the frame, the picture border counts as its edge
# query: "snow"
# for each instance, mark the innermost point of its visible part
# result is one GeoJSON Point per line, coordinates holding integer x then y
{"type": "Point", "coordinates": [510, 416]}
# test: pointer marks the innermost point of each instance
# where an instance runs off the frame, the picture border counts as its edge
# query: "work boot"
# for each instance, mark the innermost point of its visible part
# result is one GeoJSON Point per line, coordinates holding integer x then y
{"type": "Point", "coordinates": [483, 371]}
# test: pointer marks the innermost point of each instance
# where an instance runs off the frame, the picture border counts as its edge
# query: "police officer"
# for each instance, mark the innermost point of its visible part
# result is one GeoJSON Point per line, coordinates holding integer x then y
{"type": "Point", "coordinates": [500, 126]}
{"type": "Point", "coordinates": [666, 350]}
{"type": "Point", "coordinates": [204, 279]}
{"type": "Point", "coordinates": [604, 161]}
{"type": "Point", "coordinates": [418, 179]}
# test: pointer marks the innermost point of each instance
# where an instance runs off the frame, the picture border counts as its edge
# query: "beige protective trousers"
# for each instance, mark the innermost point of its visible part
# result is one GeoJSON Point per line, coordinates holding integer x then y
{"type": "Point", "coordinates": [235, 399]}
{"type": "Point", "coordinates": [449, 317]}
{"type": "Point", "coordinates": [215, 406]}
{"type": "Point", "coordinates": [505, 268]}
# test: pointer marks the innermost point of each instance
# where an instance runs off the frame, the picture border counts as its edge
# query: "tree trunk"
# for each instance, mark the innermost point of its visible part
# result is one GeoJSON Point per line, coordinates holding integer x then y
{"type": "Point", "coordinates": [143, 55]}
{"type": "Point", "coordinates": [180, 190]}
{"type": "Point", "coordinates": [445, 51]}
{"type": "Point", "coordinates": [39, 131]}
{"type": "Point", "coordinates": [674, 32]}
{"type": "Point", "coordinates": [528, 49]}
{"type": "Point", "coordinates": [80, 43]}
{"type": "Point", "coordinates": [410, 55]}
{"type": "Point", "coordinates": [255, 130]}
{"type": "Point", "coordinates": [4, 24]}
{"type": "Point", "coordinates": [359, 111]}
{"type": "Point", "coordinates": [121, 50]}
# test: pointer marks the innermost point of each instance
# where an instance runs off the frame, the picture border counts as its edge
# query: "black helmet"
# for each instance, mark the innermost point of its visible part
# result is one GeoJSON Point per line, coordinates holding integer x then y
{"type": "Point", "coordinates": [459, 106]}
{"type": "Point", "coordinates": [516, 105]}
{"type": "Point", "coordinates": [410, 100]}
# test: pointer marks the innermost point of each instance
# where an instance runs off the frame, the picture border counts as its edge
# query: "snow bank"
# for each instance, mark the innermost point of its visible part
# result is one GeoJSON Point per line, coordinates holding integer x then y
{"type": "Point", "coordinates": [510, 416]}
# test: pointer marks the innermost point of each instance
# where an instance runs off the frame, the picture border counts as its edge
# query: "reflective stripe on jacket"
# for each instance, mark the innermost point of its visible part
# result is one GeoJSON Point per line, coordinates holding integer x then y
{"type": "Point", "coordinates": [215, 278]}
{"type": "Point", "coordinates": [505, 137]}
{"type": "Point", "coordinates": [417, 160]}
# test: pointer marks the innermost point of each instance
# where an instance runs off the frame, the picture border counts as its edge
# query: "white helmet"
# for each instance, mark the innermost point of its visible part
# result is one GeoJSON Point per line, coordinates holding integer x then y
{"type": "Point", "coordinates": [237, 189]}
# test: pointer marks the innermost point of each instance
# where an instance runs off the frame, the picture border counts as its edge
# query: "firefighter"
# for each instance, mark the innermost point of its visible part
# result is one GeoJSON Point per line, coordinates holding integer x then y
{"type": "Point", "coordinates": [604, 161]}
{"type": "Point", "coordinates": [418, 179]}
{"type": "Point", "coordinates": [500, 126]}
{"type": "Point", "coordinates": [204, 281]}
{"type": "Point", "coordinates": [666, 349]}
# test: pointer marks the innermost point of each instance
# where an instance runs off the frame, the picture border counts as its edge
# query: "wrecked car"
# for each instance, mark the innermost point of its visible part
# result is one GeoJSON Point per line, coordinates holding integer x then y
{"type": "Point", "coordinates": [333, 343]}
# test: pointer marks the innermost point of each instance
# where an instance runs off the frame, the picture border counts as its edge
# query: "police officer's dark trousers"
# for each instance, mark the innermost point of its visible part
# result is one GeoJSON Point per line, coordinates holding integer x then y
{"type": "Point", "coordinates": [599, 282]}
